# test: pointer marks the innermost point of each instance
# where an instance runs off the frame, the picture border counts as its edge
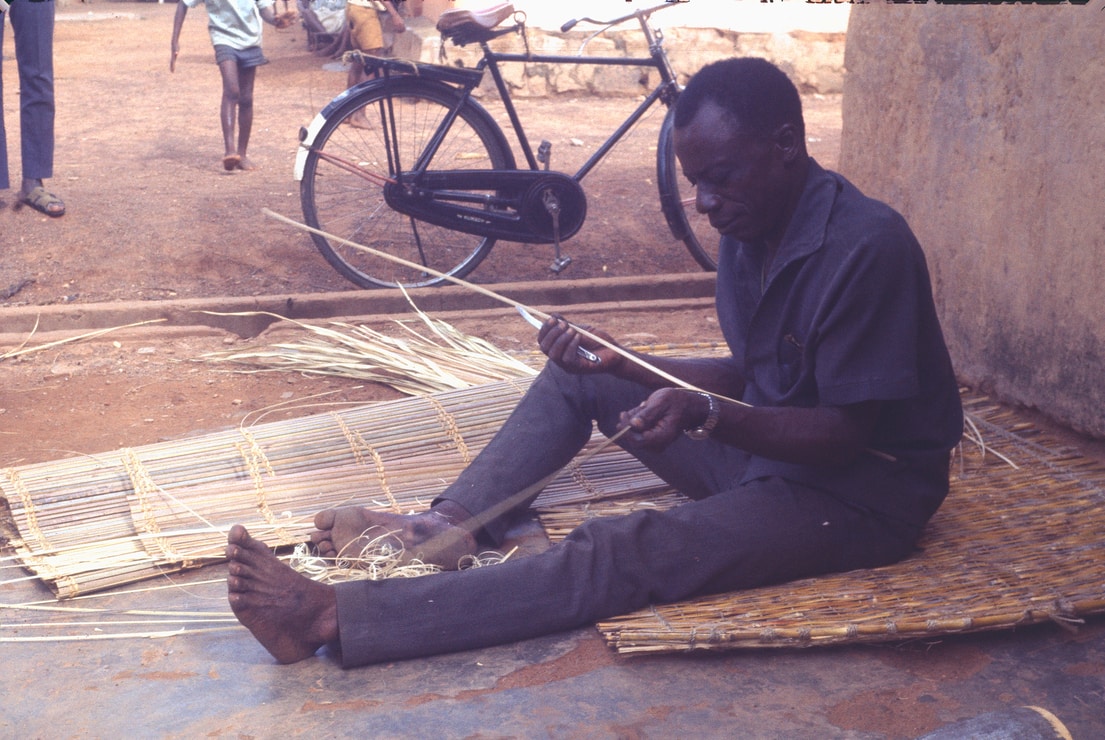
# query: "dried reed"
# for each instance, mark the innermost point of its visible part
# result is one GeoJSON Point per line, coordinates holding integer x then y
{"type": "Point", "coordinates": [625, 353]}
{"type": "Point", "coordinates": [379, 558]}
{"type": "Point", "coordinates": [23, 349]}
{"type": "Point", "coordinates": [440, 359]}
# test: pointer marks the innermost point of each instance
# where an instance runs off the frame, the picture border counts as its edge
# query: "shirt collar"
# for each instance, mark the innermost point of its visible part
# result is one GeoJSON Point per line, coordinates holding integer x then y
{"type": "Point", "coordinates": [806, 231]}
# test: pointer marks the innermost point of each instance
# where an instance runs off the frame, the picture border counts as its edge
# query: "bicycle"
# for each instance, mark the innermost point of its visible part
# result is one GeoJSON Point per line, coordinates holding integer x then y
{"type": "Point", "coordinates": [412, 165]}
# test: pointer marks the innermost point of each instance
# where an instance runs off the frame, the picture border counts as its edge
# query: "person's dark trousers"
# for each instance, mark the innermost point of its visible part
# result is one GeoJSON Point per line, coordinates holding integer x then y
{"type": "Point", "coordinates": [728, 537]}
{"type": "Point", "coordinates": [32, 23]}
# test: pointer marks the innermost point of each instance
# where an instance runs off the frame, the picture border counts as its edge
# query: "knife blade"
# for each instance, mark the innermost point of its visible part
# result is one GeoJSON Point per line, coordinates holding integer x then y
{"type": "Point", "coordinates": [537, 324]}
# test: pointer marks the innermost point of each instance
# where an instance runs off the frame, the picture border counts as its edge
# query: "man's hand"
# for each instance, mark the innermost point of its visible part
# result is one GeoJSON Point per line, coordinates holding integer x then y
{"type": "Point", "coordinates": [561, 343]}
{"type": "Point", "coordinates": [663, 416]}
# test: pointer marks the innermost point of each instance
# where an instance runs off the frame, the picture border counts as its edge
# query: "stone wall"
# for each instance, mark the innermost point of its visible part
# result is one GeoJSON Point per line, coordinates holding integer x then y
{"type": "Point", "coordinates": [984, 126]}
{"type": "Point", "coordinates": [814, 59]}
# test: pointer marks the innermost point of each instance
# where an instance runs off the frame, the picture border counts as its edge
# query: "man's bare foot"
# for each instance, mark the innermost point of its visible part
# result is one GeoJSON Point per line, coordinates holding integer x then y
{"type": "Point", "coordinates": [289, 614]}
{"type": "Point", "coordinates": [245, 163]}
{"type": "Point", "coordinates": [231, 161]}
{"type": "Point", "coordinates": [427, 536]}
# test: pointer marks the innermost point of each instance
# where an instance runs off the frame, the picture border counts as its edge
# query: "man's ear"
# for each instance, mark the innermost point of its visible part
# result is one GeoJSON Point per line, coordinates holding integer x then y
{"type": "Point", "coordinates": [788, 141]}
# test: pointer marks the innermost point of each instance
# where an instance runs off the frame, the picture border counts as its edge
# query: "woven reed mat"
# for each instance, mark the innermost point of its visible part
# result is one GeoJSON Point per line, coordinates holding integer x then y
{"type": "Point", "coordinates": [1010, 547]}
{"type": "Point", "coordinates": [94, 522]}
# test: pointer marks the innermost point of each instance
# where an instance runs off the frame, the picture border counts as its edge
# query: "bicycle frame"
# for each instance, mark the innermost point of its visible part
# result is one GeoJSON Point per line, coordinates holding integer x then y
{"type": "Point", "coordinates": [666, 91]}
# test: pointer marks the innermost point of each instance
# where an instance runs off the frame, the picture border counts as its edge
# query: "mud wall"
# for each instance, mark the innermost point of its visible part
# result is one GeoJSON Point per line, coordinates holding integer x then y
{"type": "Point", "coordinates": [985, 126]}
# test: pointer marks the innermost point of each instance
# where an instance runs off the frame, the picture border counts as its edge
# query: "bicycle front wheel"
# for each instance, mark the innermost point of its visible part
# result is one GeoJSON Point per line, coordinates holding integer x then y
{"type": "Point", "coordinates": [677, 200]}
{"type": "Point", "coordinates": [341, 197]}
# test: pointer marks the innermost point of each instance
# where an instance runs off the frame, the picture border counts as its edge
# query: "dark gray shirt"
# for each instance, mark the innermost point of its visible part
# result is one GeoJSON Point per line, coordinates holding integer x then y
{"type": "Point", "coordinates": [845, 314]}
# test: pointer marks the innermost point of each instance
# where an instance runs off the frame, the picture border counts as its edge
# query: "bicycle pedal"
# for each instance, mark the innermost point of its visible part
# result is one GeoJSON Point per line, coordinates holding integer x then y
{"type": "Point", "coordinates": [560, 263]}
{"type": "Point", "coordinates": [544, 153]}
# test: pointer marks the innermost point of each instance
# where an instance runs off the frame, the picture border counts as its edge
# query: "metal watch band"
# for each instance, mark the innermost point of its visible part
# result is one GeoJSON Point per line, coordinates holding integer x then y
{"type": "Point", "coordinates": [702, 432]}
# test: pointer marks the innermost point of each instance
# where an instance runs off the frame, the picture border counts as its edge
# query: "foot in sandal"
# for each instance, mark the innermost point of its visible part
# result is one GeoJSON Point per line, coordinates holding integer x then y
{"type": "Point", "coordinates": [40, 199]}
{"type": "Point", "coordinates": [429, 536]}
{"type": "Point", "coordinates": [289, 614]}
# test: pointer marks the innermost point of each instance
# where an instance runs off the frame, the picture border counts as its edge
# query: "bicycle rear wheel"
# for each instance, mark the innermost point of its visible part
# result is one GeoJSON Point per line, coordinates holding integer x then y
{"type": "Point", "coordinates": [677, 197]}
{"type": "Point", "coordinates": [338, 200]}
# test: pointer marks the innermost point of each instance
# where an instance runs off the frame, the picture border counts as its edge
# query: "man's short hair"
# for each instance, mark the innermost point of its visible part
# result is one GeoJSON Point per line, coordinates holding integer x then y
{"type": "Point", "coordinates": [754, 91]}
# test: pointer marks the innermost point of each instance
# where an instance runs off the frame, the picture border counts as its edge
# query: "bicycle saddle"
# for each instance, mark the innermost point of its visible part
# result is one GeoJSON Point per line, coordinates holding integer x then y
{"type": "Point", "coordinates": [465, 26]}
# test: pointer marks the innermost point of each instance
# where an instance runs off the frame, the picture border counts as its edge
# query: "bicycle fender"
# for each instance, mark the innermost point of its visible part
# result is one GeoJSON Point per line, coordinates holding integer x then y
{"type": "Point", "coordinates": [307, 140]}
{"type": "Point", "coordinates": [308, 135]}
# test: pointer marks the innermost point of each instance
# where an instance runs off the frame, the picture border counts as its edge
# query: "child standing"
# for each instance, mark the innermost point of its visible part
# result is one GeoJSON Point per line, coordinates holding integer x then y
{"type": "Point", "coordinates": [235, 27]}
{"type": "Point", "coordinates": [364, 19]}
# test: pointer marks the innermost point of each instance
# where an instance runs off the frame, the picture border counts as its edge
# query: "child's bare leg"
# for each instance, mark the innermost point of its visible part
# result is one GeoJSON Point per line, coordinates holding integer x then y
{"type": "Point", "coordinates": [246, 77]}
{"type": "Point", "coordinates": [228, 113]}
{"type": "Point", "coordinates": [356, 76]}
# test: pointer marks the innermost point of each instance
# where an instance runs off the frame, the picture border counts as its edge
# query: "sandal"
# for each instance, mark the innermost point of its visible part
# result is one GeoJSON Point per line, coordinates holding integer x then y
{"type": "Point", "coordinates": [43, 201]}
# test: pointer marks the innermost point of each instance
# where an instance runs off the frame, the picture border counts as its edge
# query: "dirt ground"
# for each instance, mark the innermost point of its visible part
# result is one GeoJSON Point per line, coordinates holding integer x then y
{"type": "Point", "coordinates": [151, 215]}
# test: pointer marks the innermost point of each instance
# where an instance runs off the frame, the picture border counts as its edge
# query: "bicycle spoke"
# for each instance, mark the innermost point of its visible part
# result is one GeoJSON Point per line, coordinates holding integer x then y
{"type": "Point", "coordinates": [343, 189]}
{"type": "Point", "coordinates": [418, 240]}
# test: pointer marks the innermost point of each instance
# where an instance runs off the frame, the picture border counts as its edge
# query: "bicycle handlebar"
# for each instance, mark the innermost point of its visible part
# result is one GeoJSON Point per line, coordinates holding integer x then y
{"type": "Point", "coordinates": [635, 14]}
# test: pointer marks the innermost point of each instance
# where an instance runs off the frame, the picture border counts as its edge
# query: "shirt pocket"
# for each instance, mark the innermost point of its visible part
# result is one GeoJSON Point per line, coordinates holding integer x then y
{"type": "Point", "coordinates": [790, 353]}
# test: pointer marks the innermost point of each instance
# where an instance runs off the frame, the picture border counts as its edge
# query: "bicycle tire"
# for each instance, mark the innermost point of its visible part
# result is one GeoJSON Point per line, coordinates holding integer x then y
{"type": "Point", "coordinates": [350, 207]}
{"type": "Point", "coordinates": [677, 201]}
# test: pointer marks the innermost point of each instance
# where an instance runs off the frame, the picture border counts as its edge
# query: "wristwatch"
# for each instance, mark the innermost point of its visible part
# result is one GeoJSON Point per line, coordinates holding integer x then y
{"type": "Point", "coordinates": [702, 432]}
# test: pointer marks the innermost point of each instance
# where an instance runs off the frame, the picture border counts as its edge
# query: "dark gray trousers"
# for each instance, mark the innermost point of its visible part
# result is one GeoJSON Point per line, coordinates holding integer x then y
{"type": "Point", "coordinates": [32, 23]}
{"type": "Point", "coordinates": [727, 537]}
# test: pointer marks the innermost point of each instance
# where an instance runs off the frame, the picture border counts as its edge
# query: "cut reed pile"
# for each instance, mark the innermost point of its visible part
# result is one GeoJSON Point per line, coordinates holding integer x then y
{"type": "Point", "coordinates": [439, 358]}
{"type": "Point", "coordinates": [1011, 546]}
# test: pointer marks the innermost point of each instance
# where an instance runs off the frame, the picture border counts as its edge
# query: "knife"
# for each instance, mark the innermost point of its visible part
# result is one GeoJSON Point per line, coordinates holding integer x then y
{"type": "Point", "coordinates": [536, 324]}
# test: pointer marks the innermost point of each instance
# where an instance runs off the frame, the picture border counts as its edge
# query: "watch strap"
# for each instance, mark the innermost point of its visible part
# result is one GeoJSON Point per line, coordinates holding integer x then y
{"type": "Point", "coordinates": [703, 431]}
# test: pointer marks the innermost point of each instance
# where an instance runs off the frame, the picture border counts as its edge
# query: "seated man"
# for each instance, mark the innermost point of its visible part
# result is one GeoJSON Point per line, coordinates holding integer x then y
{"type": "Point", "coordinates": [835, 459]}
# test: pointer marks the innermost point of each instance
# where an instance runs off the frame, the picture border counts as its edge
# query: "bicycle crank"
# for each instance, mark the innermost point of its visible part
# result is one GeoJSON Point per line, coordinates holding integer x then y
{"type": "Point", "coordinates": [503, 204]}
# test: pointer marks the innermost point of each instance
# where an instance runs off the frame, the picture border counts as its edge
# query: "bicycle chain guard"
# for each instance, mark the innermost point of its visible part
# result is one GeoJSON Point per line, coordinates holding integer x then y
{"type": "Point", "coordinates": [510, 204]}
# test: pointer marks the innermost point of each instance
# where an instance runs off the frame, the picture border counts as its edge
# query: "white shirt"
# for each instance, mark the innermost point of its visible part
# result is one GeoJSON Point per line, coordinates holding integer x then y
{"type": "Point", "coordinates": [233, 23]}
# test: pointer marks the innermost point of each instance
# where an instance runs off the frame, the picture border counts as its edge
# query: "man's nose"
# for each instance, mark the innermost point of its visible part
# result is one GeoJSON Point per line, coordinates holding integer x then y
{"type": "Point", "coordinates": [704, 199]}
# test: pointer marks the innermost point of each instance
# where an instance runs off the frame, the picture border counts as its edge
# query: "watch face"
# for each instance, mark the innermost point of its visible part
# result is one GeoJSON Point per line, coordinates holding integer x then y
{"type": "Point", "coordinates": [698, 433]}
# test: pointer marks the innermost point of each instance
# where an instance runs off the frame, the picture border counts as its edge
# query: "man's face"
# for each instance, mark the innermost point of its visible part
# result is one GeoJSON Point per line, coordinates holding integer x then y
{"type": "Point", "coordinates": [738, 176]}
